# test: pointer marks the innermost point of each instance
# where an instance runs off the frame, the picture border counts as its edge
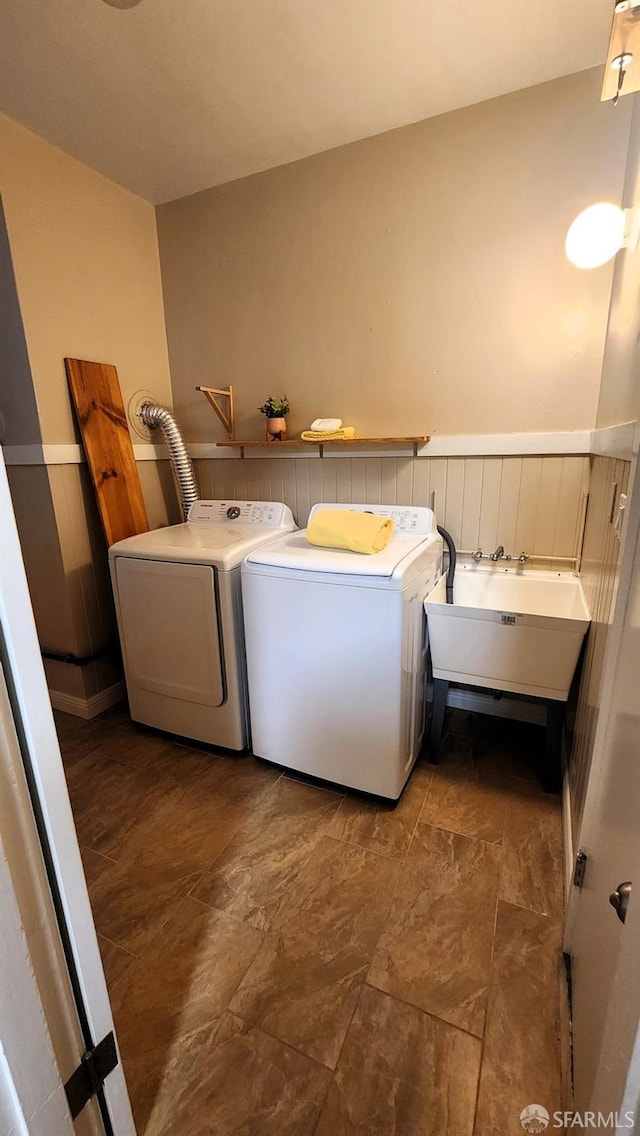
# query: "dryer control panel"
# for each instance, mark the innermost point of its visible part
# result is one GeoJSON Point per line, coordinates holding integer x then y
{"type": "Point", "coordinates": [416, 520]}
{"type": "Point", "coordinates": [273, 514]}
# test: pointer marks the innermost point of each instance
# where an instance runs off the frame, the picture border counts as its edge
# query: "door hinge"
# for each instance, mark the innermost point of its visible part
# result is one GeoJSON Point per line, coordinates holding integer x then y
{"type": "Point", "coordinates": [91, 1074]}
{"type": "Point", "coordinates": [580, 869]}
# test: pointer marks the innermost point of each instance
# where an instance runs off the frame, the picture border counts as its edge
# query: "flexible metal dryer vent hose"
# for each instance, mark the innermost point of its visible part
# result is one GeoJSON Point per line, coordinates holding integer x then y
{"type": "Point", "coordinates": [155, 416]}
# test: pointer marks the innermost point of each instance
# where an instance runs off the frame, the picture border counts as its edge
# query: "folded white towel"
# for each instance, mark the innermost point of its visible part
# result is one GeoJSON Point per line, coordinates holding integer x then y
{"type": "Point", "coordinates": [327, 425]}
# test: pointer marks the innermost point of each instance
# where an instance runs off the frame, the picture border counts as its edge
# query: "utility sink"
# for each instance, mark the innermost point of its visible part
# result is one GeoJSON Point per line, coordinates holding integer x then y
{"type": "Point", "coordinates": [508, 630]}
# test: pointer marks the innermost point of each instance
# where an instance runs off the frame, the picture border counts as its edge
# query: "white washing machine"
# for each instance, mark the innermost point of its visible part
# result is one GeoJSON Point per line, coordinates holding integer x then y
{"type": "Point", "coordinates": [178, 602]}
{"type": "Point", "coordinates": [338, 690]}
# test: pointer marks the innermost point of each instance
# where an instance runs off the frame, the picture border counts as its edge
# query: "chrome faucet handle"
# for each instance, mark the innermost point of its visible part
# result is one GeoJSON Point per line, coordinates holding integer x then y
{"type": "Point", "coordinates": [478, 554]}
{"type": "Point", "coordinates": [522, 559]}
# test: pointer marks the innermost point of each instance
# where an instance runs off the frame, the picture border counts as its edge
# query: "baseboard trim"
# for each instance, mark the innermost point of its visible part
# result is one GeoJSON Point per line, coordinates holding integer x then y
{"type": "Point", "coordinates": [88, 707]}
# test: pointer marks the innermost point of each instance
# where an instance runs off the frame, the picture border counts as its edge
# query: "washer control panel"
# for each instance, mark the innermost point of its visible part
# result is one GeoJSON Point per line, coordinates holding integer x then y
{"type": "Point", "coordinates": [414, 519]}
{"type": "Point", "coordinates": [274, 514]}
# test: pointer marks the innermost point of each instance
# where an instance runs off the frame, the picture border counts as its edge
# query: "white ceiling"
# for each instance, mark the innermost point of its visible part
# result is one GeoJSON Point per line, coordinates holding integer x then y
{"type": "Point", "coordinates": [174, 96]}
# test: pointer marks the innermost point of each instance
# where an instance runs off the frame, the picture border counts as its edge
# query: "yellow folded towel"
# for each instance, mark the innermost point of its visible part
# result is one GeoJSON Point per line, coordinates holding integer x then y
{"type": "Point", "coordinates": [328, 435]}
{"type": "Point", "coordinates": [347, 528]}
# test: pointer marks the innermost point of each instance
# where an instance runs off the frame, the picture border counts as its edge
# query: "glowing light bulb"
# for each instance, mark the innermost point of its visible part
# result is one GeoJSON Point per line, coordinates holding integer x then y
{"type": "Point", "coordinates": [596, 235]}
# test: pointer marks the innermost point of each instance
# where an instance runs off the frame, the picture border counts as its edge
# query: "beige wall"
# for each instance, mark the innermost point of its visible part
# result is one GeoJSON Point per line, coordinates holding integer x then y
{"type": "Point", "coordinates": [82, 279]}
{"type": "Point", "coordinates": [85, 259]}
{"type": "Point", "coordinates": [619, 391]}
{"type": "Point", "coordinates": [412, 282]}
{"type": "Point", "coordinates": [19, 423]}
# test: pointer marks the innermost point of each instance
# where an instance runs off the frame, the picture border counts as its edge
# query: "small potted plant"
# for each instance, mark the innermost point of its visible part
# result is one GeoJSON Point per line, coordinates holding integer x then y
{"type": "Point", "coordinates": [275, 411]}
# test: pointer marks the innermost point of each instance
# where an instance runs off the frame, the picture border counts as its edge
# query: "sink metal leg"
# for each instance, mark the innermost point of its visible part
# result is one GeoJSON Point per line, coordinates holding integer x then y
{"type": "Point", "coordinates": [552, 767]}
{"type": "Point", "coordinates": [440, 692]}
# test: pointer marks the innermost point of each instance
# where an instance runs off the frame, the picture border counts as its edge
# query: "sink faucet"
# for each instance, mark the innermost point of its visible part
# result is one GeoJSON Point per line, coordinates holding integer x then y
{"type": "Point", "coordinates": [498, 554]}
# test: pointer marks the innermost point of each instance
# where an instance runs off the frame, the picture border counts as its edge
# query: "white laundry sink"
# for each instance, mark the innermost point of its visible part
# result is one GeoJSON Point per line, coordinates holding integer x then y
{"type": "Point", "coordinates": [508, 631]}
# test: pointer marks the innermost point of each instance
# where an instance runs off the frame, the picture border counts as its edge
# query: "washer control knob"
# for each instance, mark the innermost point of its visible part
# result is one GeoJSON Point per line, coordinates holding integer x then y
{"type": "Point", "coordinates": [233, 512]}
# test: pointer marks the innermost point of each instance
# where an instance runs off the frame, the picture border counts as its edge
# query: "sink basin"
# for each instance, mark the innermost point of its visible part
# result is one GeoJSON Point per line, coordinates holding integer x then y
{"type": "Point", "coordinates": [508, 632]}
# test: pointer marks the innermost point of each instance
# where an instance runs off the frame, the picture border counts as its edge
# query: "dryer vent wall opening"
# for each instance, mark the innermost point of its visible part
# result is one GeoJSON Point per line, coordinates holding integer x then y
{"type": "Point", "coordinates": [155, 416]}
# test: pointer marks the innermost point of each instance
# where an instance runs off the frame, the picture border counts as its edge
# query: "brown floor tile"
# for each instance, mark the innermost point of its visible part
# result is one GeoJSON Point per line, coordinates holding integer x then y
{"type": "Point", "coordinates": [137, 747]}
{"type": "Point", "coordinates": [401, 1072]}
{"type": "Point", "coordinates": [164, 855]}
{"type": "Point", "coordinates": [436, 950]}
{"type": "Point", "coordinates": [232, 1004]}
{"type": "Point", "coordinates": [94, 864]}
{"type": "Point", "coordinates": [165, 826]}
{"type": "Point", "coordinates": [532, 868]}
{"type": "Point", "coordinates": [521, 1058]}
{"type": "Point", "coordinates": [509, 750]}
{"type": "Point", "coordinates": [106, 801]}
{"type": "Point", "coordinates": [304, 983]}
{"type": "Point", "coordinates": [462, 723]}
{"type": "Point", "coordinates": [185, 980]}
{"type": "Point", "coordinates": [228, 1079]}
{"type": "Point", "coordinates": [66, 724]}
{"type": "Point", "coordinates": [111, 801]}
{"type": "Point", "coordinates": [132, 903]}
{"type": "Point", "coordinates": [117, 715]}
{"type": "Point", "coordinates": [254, 876]}
{"type": "Point", "coordinates": [241, 779]}
{"type": "Point", "coordinates": [383, 828]}
{"type": "Point", "coordinates": [464, 797]}
{"type": "Point", "coordinates": [114, 960]}
{"type": "Point", "coordinates": [194, 806]}
{"type": "Point", "coordinates": [80, 738]}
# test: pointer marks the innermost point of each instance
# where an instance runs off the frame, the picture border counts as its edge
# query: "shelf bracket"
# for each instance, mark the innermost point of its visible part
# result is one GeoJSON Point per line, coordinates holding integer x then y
{"type": "Point", "coordinates": [226, 416]}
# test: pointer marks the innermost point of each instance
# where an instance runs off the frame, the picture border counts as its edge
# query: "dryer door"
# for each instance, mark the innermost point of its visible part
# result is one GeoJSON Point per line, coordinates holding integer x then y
{"type": "Point", "coordinates": [168, 623]}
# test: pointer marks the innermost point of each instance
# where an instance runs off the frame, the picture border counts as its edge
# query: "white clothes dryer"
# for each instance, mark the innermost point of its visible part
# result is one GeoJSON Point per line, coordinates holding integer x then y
{"type": "Point", "coordinates": [179, 609]}
{"type": "Point", "coordinates": [339, 691]}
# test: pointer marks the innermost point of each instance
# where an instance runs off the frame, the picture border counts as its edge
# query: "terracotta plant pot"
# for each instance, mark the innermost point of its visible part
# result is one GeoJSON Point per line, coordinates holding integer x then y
{"type": "Point", "coordinates": [276, 429]}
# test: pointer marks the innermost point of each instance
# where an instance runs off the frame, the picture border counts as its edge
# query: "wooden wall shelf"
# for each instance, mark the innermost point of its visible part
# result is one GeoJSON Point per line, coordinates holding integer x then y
{"type": "Point", "coordinates": [301, 443]}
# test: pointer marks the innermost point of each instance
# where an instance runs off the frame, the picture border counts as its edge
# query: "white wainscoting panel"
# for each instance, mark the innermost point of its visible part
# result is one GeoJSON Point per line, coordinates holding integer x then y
{"type": "Point", "coordinates": [528, 504]}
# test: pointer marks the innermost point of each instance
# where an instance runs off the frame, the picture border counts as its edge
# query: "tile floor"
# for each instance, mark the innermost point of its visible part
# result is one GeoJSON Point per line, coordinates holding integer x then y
{"type": "Point", "coordinates": [285, 959]}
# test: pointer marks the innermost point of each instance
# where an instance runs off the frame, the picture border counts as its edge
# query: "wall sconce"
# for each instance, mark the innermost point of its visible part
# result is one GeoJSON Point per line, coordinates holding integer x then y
{"type": "Point", "coordinates": [622, 69]}
{"type": "Point", "coordinates": [599, 232]}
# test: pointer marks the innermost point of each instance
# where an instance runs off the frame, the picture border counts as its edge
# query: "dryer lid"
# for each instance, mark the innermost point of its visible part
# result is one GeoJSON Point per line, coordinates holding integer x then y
{"type": "Point", "coordinates": [234, 528]}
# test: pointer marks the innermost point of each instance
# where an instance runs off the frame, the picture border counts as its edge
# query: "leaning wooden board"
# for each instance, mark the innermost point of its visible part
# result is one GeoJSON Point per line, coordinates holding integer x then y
{"type": "Point", "coordinates": [107, 444]}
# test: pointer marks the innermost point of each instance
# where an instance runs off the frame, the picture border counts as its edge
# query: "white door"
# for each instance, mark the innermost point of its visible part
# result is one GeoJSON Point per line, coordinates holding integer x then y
{"type": "Point", "coordinates": [605, 953]}
{"type": "Point", "coordinates": [44, 876]}
{"type": "Point", "coordinates": [27, 1104]}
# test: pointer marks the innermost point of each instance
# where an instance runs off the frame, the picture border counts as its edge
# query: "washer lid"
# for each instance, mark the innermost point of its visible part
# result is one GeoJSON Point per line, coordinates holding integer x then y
{"type": "Point", "coordinates": [294, 552]}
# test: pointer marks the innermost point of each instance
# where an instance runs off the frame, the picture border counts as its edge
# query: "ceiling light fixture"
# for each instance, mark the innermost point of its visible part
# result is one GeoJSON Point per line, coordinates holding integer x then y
{"type": "Point", "coordinates": [122, 3]}
{"type": "Point", "coordinates": [599, 232]}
